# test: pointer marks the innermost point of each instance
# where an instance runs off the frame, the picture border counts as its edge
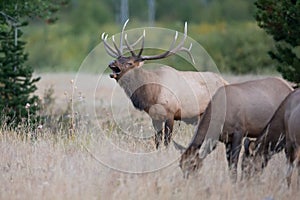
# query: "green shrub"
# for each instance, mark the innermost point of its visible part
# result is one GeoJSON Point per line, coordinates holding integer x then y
{"type": "Point", "coordinates": [237, 48]}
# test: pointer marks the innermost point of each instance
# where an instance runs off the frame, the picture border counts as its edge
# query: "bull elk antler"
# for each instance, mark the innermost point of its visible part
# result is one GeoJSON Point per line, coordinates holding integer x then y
{"type": "Point", "coordinates": [118, 52]}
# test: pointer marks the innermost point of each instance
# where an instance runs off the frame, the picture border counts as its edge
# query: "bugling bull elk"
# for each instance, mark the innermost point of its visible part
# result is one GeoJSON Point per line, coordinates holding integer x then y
{"type": "Point", "coordinates": [164, 93]}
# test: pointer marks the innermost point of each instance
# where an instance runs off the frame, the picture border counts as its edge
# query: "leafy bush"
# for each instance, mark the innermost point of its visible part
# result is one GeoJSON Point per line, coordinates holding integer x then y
{"type": "Point", "coordinates": [238, 48]}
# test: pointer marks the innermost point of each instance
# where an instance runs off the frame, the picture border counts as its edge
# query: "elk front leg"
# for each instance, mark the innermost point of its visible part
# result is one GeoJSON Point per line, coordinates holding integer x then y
{"type": "Point", "coordinates": [158, 125]}
{"type": "Point", "coordinates": [288, 174]}
{"type": "Point", "coordinates": [228, 146]}
{"type": "Point", "coordinates": [233, 151]}
{"type": "Point", "coordinates": [298, 175]}
{"type": "Point", "coordinates": [289, 153]}
{"type": "Point", "coordinates": [168, 131]}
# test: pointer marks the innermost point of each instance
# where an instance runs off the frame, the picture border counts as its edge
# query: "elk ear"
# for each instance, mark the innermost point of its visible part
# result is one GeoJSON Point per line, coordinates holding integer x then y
{"type": "Point", "coordinates": [179, 147]}
{"type": "Point", "coordinates": [249, 146]}
{"type": "Point", "coordinates": [139, 64]}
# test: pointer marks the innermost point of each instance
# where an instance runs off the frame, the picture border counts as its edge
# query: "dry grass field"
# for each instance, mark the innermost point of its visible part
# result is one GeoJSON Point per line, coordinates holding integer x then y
{"type": "Point", "coordinates": [111, 154]}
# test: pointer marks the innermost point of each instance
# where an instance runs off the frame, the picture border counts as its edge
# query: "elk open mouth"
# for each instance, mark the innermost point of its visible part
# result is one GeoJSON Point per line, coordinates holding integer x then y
{"type": "Point", "coordinates": [116, 71]}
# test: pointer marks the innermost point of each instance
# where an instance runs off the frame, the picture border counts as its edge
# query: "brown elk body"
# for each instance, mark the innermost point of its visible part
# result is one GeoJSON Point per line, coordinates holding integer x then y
{"type": "Point", "coordinates": [165, 94]}
{"type": "Point", "coordinates": [282, 131]}
{"type": "Point", "coordinates": [235, 111]}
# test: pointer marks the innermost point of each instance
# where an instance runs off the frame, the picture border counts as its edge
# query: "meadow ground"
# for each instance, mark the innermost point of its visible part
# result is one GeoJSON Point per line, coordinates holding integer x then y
{"type": "Point", "coordinates": [111, 154]}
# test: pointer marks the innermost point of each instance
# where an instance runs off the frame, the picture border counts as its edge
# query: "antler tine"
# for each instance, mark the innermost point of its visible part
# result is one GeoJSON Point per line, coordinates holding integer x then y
{"type": "Point", "coordinates": [129, 46]}
{"type": "Point", "coordinates": [180, 45]}
{"type": "Point", "coordinates": [188, 51]}
{"type": "Point", "coordinates": [121, 36]}
{"type": "Point", "coordinates": [172, 50]}
{"type": "Point", "coordinates": [173, 43]}
{"type": "Point", "coordinates": [163, 55]}
{"type": "Point", "coordinates": [143, 42]}
{"type": "Point", "coordinates": [108, 48]}
{"type": "Point", "coordinates": [116, 47]}
{"type": "Point", "coordinates": [142, 37]}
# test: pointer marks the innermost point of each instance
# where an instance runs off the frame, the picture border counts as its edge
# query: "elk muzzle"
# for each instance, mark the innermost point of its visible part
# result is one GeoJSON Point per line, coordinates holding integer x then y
{"type": "Point", "coordinates": [115, 70]}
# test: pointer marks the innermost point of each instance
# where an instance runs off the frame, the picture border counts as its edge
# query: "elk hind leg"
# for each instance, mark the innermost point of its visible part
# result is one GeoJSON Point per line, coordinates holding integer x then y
{"type": "Point", "coordinates": [297, 162]}
{"type": "Point", "coordinates": [158, 126]}
{"type": "Point", "coordinates": [289, 152]}
{"type": "Point", "coordinates": [289, 173]}
{"type": "Point", "coordinates": [234, 154]}
{"type": "Point", "coordinates": [168, 131]}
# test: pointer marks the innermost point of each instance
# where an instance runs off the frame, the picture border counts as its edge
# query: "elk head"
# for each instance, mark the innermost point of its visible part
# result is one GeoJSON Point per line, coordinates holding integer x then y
{"type": "Point", "coordinates": [258, 152]}
{"type": "Point", "coordinates": [253, 160]}
{"type": "Point", "coordinates": [123, 64]}
{"type": "Point", "coordinates": [190, 160]}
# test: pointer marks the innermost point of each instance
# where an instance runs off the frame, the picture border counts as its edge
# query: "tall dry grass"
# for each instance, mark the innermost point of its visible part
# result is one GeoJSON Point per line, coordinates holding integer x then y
{"type": "Point", "coordinates": [101, 162]}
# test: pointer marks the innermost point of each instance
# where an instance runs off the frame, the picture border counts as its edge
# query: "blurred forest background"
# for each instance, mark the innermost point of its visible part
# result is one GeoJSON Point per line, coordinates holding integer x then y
{"type": "Point", "coordinates": [225, 28]}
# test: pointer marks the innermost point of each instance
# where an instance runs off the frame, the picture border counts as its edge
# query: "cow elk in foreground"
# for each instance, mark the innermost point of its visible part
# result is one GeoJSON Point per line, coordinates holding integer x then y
{"type": "Point", "coordinates": [282, 131]}
{"type": "Point", "coordinates": [235, 111]}
{"type": "Point", "coordinates": [164, 93]}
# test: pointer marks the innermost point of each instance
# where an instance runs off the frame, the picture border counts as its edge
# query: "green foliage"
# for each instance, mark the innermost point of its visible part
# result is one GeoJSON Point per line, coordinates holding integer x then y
{"type": "Point", "coordinates": [87, 15]}
{"type": "Point", "coordinates": [22, 9]}
{"type": "Point", "coordinates": [221, 26]}
{"type": "Point", "coordinates": [16, 84]}
{"type": "Point", "coordinates": [105, 11]}
{"type": "Point", "coordinates": [17, 102]}
{"type": "Point", "coordinates": [281, 19]}
{"type": "Point", "coordinates": [237, 48]}
{"type": "Point", "coordinates": [212, 11]}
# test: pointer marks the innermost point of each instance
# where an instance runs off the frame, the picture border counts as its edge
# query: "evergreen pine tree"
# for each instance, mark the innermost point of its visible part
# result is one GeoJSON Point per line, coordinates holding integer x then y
{"type": "Point", "coordinates": [281, 19]}
{"type": "Point", "coordinates": [17, 85]}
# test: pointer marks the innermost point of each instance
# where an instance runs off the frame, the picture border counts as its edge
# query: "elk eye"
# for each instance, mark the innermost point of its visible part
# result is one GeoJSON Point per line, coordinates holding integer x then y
{"type": "Point", "coordinates": [130, 64]}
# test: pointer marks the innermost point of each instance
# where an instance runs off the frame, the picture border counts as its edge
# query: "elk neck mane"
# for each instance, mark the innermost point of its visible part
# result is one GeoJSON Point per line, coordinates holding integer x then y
{"type": "Point", "coordinates": [142, 87]}
{"type": "Point", "coordinates": [273, 131]}
{"type": "Point", "coordinates": [200, 133]}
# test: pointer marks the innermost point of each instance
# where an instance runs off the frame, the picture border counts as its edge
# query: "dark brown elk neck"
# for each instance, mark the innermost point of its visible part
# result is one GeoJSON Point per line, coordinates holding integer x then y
{"type": "Point", "coordinates": [142, 87]}
{"type": "Point", "coordinates": [202, 129]}
{"type": "Point", "coordinates": [272, 137]}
